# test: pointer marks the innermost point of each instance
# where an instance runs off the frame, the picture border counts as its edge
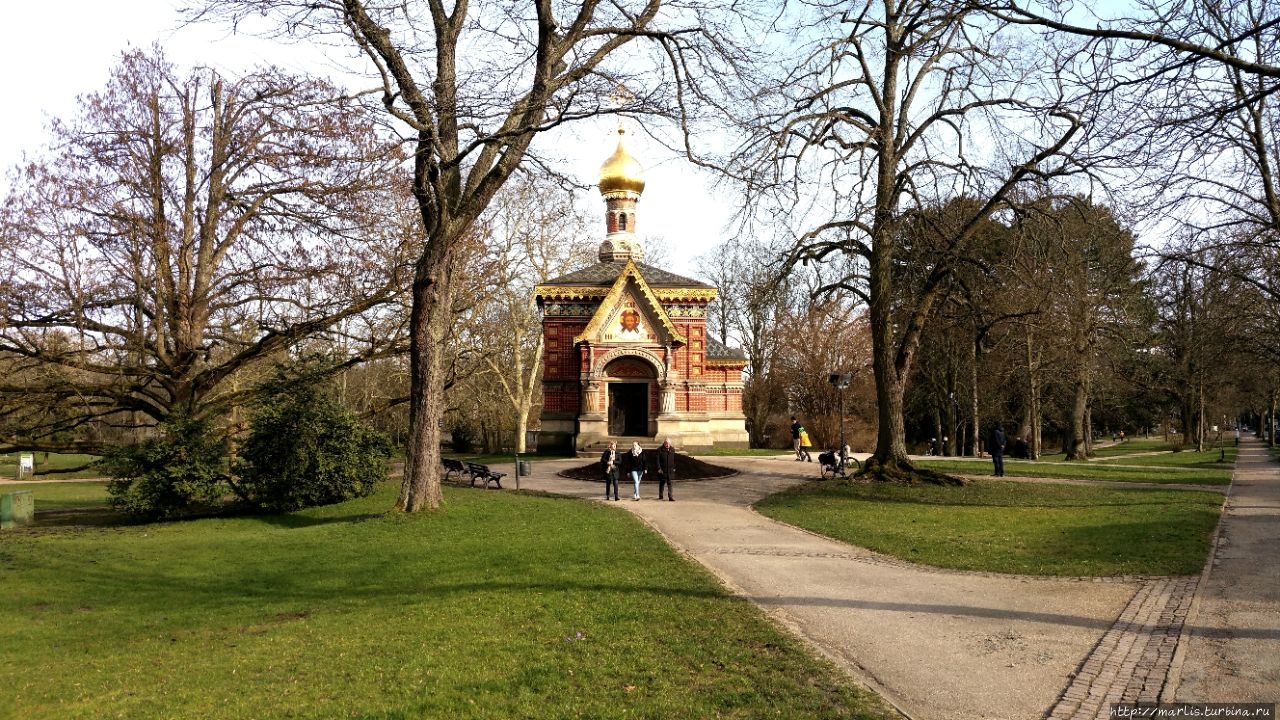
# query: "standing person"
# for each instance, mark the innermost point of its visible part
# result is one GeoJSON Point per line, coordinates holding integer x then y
{"type": "Point", "coordinates": [805, 444]}
{"type": "Point", "coordinates": [633, 463]}
{"type": "Point", "coordinates": [609, 465]}
{"type": "Point", "coordinates": [997, 443]}
{"type": "Point", "coordinates": [796, 427]}
{"type": "Point", "coordinates": [666, 469]}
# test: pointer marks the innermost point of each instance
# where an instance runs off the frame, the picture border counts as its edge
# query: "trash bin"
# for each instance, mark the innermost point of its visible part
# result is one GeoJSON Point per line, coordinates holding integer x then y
{"type": "Point", "coordinates": [17, 508]}
{"type": "Point", "coordinates": [524, 468]}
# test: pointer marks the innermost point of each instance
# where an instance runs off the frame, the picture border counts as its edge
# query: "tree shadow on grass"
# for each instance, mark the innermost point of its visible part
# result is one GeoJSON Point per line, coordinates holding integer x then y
{"type": "Point", "coordinates": [95, 517]}
{"type": "Point", "coordinates": [107, 517]}
{"type": "Point", "coordinates": [292, 521]}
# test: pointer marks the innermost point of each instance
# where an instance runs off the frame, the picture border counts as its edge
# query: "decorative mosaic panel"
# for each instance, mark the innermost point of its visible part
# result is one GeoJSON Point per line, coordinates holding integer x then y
{"type": "Point", "coordinates": [629, 323]}
{"type": "Point", "coordinates": [569, 309]}
{"type": "Point", "coordinates": [686, 311]}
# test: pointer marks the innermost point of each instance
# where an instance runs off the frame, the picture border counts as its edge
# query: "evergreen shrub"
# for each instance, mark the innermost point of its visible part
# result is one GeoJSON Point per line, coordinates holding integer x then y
{"type": "Point", "coordinates": [305, 449]}
{"type": "Point", "coordinates": [181, 469]}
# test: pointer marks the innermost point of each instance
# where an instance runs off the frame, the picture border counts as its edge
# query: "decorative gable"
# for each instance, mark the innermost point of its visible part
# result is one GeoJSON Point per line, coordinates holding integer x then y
{"type": "Point", "coordinates": [631, 313]}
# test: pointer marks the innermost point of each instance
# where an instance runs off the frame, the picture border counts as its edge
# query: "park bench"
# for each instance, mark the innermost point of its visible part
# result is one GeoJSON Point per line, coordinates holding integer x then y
{"type": "Point", "coordinates": [451, 467]}
{"type": "Point", "coordinates": [482, 472]}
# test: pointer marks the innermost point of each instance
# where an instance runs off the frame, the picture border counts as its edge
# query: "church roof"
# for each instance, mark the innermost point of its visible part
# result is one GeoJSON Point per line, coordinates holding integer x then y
{"type": "Point", "coordinates": [719, 351]}
{"type": "Point", "coordinates": [604, 274]}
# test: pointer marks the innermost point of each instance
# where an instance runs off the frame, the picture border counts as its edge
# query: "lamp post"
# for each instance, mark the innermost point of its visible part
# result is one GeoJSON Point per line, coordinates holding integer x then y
{"type": "Point", "coordinates": [1222, 450]}
{"type": "Point", "coordinates": [841, 381]}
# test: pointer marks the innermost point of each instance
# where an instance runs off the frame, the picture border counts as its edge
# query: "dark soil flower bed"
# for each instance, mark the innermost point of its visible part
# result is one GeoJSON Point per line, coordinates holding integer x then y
{"type": "Point", "coordinates": [687, 468]}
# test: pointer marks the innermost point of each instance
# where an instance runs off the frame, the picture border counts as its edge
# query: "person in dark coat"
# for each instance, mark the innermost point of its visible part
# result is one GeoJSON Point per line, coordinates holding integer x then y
{"type": "Point", "coordinates": [996, 446]}
{"type": "Point", "coordinates": [609, 466]}
{"type": "Point", "coordinates": [666, 469]}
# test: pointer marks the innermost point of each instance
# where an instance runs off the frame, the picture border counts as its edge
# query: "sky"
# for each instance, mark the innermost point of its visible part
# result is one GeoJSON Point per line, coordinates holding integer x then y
{"type": "Point", "coordinates": [57, 50]}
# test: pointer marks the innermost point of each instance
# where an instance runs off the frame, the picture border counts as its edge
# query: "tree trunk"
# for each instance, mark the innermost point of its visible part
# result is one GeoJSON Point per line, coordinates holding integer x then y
{"type": "Point", "coordinates": [936, 446]}
{"type": "Point", "coordinates": [973, 398]}
{"type": "Point", "coordinates": [1187, 418]}
{"type": "Point", "coordinates": [891, 448]}
{"type": "Point", "coordinates": [1088, 430]}
{"type": "Point", "coordinates": [1201, 428]}
{"type": "Point", "coordinates": [429, 324]}
{"type": "Point", "coordinates": [1033, 397]}
{"type": "Point", "coordinates": [522, 427]}
{"type": "Point", "coordinates": [1073, 443]}
{"type": "Point", "coordinates": [1271, 420]}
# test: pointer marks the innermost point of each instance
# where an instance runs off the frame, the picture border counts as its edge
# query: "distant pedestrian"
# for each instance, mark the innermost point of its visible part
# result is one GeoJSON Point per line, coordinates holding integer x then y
{"type": "Point", "coordinates": [997, 443]}
{"type": "Point", "coordinates": [946, 446]}
{"type": "Point", "coordinates": [633, 464]}
{"type": "Point", "coordinates": [609, 466]}
{"type": "Point", "coordinates": [796, 429]}
{"type": "Point", "coordinates": [666, 469]}
{"type": "Point", "coordinates": [805, 444]}
{"type": "Point", "coordinates": [1121, 436]}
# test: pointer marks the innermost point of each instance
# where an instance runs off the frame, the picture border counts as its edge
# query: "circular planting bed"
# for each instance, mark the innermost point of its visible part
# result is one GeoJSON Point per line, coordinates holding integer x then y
{"type": "Point", "coordinates": [687, 468]}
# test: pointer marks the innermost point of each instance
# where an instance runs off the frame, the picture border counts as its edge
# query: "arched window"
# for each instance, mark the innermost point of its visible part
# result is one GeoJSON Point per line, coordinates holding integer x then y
{"type": "Point", "coordinates": [622, 221]}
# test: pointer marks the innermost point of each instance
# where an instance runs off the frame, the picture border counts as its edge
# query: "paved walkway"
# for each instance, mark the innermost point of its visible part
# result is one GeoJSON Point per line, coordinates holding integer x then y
{"type": "Point", "coordinates": [1230, 649]}
{"type": "Point", "coordinates": [943, 645]}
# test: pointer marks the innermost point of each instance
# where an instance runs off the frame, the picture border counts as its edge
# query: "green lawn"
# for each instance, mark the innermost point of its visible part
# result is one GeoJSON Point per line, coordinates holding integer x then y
{"type": "Point", "coordinates": [1182, 459]}
{"type": "Point", "coordinates": [502, 605]}
{"type": "Point", "coordinates": [1131, 445]}
{"type": "Point", "coordinates": [52, 496]}
{"type": "Point", "coordinates": [53, 464]}
{"type": "Point", "coordinates": [1150, 470]}
{"type": "Point", "coordinates": [747, 452]}
{"type": "Point", "coordinates": [1008, 527]}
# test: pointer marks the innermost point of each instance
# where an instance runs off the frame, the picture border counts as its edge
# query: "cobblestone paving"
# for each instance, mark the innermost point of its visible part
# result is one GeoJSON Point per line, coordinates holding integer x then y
{"type": "Point", "coordinates": [1131, 662]}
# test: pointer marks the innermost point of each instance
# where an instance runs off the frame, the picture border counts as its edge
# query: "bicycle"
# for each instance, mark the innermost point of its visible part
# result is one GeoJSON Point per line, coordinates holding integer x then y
{"type": "Point", "coordinates": [838, 464]}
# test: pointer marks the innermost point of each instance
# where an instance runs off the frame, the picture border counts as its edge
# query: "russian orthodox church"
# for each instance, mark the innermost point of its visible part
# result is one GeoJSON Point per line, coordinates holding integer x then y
{"type": "Point", "coordinates": [626, 350]}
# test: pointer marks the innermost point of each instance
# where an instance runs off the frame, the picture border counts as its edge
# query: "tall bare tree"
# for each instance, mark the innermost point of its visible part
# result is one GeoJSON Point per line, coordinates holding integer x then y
{"type": "Point", "coordinates": [1170, 36]}
{"type": "Point", "coordinates": [473, 84]}
{"type": "Point", "coordinates": [1192, 122]}
{"type": "Point", "coordinates": [753, 310]}
{"type": "Point", "coordinates": [534, 232]}
{"type": "Point", "coordinates": [180, 232]}
{"type": "Point", "coordinates": [1097, 288]}
{"type": "Point", "coordinates": [893, 105]}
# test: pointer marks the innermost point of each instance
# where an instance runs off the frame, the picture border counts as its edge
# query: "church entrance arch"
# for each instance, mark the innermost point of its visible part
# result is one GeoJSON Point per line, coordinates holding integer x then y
{"type": "Point", "coordinates": [630, 382]}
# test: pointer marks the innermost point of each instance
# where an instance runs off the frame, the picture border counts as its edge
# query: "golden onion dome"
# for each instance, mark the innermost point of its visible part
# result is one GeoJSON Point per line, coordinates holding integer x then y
{"type": "Point", "coordinates": [621, 171]}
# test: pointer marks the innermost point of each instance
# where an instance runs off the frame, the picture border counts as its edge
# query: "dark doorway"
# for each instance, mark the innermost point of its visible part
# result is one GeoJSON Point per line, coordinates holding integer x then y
{"type": "Point", "coordinates": [629, 408]}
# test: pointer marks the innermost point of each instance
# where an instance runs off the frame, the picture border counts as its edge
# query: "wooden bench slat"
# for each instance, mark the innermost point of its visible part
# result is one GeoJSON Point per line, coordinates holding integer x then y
{"type": "Point", "coordinates": [479, 471]}
{"type": "Point", "coordinates": [452, 466]}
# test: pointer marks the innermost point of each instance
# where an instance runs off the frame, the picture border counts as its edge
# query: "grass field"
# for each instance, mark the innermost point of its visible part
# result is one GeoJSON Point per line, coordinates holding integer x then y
{"type": "Point", "coordinates": [52, 464]}
{"type": "Point", "coordinates": [1166, 468]}
{"type": "Point", "coordinates": [502, 605]}
{"type": "Point", "coordinates": [1183, 459]}
{"type": "Point", "coordinates": [1008, 527]}
{"type": "Point", "coordinates": [51, 496]}
{"type": "Point", "coordinates": [747, 452]}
